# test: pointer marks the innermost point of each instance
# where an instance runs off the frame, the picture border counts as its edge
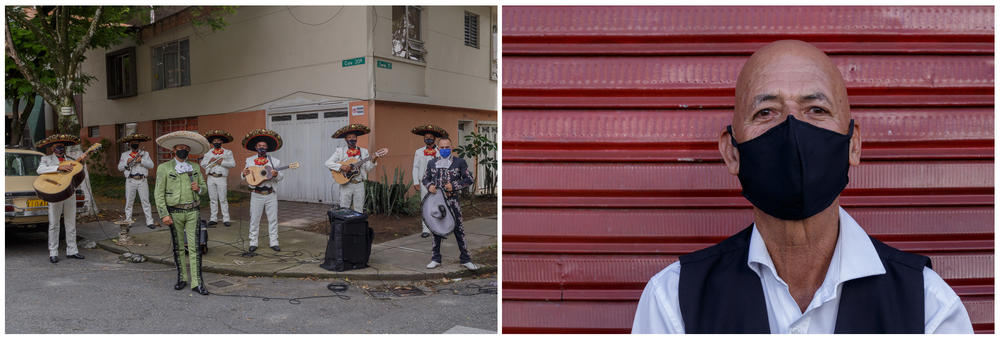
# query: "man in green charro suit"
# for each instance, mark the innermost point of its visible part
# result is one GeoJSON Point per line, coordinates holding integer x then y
{"type": "Point", "coordinates": [178, 183]}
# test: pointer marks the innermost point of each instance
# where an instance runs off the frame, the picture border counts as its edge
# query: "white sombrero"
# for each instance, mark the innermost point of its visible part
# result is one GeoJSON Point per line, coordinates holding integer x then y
{"type": "Point", "coordinates": [196, 141]}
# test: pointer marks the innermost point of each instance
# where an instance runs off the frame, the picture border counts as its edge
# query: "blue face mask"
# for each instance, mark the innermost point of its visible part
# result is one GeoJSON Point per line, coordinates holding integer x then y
{"type": "Point", "coordinates": [445, 152]}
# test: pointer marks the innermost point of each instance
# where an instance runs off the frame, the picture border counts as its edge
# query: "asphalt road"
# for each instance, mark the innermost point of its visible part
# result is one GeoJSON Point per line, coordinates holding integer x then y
{"type": "Point", "coordinates": [104, 295]}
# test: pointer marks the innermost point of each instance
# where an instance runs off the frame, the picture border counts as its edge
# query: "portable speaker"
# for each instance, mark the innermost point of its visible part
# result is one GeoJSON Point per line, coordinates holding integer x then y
{"type": "Point", "coordinates": [350, 243]}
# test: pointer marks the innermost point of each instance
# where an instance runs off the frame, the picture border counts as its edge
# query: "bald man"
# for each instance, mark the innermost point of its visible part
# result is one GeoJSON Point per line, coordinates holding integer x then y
{"type": "Point", "coordinates": [804, 265]}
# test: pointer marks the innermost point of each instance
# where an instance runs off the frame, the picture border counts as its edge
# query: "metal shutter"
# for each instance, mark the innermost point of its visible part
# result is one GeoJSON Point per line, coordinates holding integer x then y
{"type": "Point", "coordinates": [610, 162]}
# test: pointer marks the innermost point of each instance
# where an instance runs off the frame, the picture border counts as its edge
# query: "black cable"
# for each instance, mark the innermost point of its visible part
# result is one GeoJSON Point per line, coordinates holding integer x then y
{"type": "Point", "coordinates": [336, 288]}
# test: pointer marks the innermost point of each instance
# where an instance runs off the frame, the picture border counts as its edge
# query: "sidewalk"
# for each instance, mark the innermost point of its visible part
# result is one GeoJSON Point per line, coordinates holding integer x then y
{"type": "Point", "coordinates": [302, 251]}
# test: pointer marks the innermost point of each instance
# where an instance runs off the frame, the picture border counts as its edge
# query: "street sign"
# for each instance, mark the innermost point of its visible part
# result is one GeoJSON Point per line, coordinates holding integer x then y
{"type": "Point", "coordinates": [353, 62]}
{"type": "Point", "coordinates": [383, 64]}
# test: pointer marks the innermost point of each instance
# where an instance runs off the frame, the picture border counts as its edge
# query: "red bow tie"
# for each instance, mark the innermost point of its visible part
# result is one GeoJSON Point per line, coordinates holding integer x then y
{"type": "Point", "coordinates": [353, 152]}
{"type": "Point", "coordinates": [430, 151]}
{"type": "Point", "coordinates": [260, 161]}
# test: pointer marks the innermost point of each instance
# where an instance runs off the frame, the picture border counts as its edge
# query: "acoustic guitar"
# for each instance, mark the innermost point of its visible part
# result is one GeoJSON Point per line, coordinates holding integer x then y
{"type": "Point", "coordinates": [344, 176]}
{"type": "Point", "coordinates": [57, 186]}
{"type": "Point", "coordinates": [259, 174]}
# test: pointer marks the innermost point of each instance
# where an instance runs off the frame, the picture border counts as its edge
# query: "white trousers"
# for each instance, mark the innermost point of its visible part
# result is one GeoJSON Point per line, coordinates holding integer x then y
{"type": "Point", "coordinates": [353, 193]}
{"type": "Point", "coordinates": [423, 193]}
{"type": "Point", "coordinates": [133, 186]}
{"type": "Point", "coordinates": [217, 193]}
{"type": "Point", "coordinates": [67, 210]}
{"type": "Point", "coordinates": [264, 203]}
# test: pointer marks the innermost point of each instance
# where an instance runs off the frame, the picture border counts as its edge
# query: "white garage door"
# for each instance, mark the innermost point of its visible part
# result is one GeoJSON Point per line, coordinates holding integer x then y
{"type": "Point", "coordinates": [306, 137]}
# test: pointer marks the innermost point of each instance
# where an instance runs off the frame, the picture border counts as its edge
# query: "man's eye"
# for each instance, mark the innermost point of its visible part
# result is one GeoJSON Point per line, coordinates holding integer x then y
{"type": "Point", "coordinates": [764, 113]}
{"type": "Point", "coordinates": [817, 110]}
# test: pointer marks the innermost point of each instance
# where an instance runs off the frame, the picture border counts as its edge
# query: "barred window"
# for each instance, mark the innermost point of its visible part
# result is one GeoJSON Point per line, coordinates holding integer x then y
{"type": "Point", "coordinates": [471, 30]}
{"type": "Point", "coordinates": [406, 41]}
{"type": "Point", "coordinates": [171, 65]}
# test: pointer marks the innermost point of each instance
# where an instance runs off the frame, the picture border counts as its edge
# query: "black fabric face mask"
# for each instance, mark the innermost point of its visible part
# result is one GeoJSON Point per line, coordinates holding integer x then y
{"type": "Point", "coordinates": [134, 146]}
{"type": "Point", "coordinates": [352, 143]}
{"type": "Point", "coordinates": [429, 141]}
{"type": "Point", "coordinates": [795, 169]}
{"type": "Point", "coordinates": [59, 149]}
{"type": "Point", "coordinates": [261, 151]}
{"type": "Point", "coordinates": [182, 154]}
{"type": "Point", "coordinates": [217, 145]}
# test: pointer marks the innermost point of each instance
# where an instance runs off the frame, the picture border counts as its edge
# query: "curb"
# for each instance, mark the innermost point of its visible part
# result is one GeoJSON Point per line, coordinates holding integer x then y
{"type": "Point", "coordinates": [324, 275]}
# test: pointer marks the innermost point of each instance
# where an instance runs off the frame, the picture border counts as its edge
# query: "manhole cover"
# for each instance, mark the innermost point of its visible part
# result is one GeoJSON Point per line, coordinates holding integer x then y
{"type": "Point", "coordinates": [221, 284]}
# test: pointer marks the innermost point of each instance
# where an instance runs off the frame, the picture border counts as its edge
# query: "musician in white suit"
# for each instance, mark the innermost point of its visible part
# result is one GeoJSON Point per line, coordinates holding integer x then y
{"type": "Point", "coordinates": [352, 194]}
{"type": "Point", "coordinates": [217, 164]}
{"type": "Point", "coordinates": [57, 144]}
{"type": "Point", "coordinates": [263, 199]}
{"type": "Point", "coordinates": [421, 156]}
{"type": "Point", "coordinates": [135, 164]}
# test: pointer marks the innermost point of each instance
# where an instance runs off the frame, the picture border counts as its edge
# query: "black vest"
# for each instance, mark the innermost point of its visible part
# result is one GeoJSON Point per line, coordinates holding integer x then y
{"type": "Point", "coordinates": [719, 293]}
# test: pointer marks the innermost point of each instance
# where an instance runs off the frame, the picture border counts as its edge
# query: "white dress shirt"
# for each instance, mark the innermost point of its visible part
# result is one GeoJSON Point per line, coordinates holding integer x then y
{"type": "Point", "coordinates": [50, 163]}
{"type": "Point", "coordinates": [854, 257]}
{"type": "Point", "coordinates": [223, 167]}
{"type": "Point", "coordinates": [143, 167]}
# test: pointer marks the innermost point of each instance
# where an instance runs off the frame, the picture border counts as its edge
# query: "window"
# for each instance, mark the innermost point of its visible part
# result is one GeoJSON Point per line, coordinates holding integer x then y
{"type": "Point", "coordinates": [93, 131]}
{"type": "Point", "coordinates": [282, 118]}
{"type": "Point", "coordinates": [21, 164]}
{"type": "Point", "coordinates": [406, 41]}
{"type": "Point", "coordinates": [171, 65]}
{"type": "Point", "coordinates": [173, 125]}
{"type": "Point", "coordinates": [335, 114]}
{"type": "Point", "coordinates": [471, 30]}
{"type": "Point", "coordinates": [306, 116]}
{"type": "Point", "coordinates": [121, 74]}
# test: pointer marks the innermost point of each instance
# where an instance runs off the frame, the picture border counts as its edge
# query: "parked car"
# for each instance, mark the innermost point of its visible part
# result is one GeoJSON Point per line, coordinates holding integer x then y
{"type": "Point", "coordinates": [24, 210]}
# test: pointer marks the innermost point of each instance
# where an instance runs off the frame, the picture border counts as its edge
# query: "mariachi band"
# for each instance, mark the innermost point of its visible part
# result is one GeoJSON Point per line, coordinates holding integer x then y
{"type": "Point", "coordinates": [437, 173]}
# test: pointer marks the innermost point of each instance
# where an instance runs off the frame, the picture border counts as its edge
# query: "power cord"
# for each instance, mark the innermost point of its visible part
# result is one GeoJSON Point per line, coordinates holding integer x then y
{"type": "Point", "coordinates": [336, 288]}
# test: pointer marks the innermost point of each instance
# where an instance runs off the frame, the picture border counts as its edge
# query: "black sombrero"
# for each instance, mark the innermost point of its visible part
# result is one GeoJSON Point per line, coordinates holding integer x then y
{"type": "Point", "coordinates": [134, 137]}
{"type": "Point", "coordinates": [432, 129]}
{"type": "Point", "coordinates": [272, 139]}
{"type": "Point", "coordinates": [356, 129]}
{"type": "Point", "coordinates": [68, 139]}
{"type": "Point", "coordinates": [218, 133]}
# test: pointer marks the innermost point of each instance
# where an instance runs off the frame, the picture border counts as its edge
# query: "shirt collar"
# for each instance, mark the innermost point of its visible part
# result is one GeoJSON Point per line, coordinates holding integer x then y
{"type": "Point", "coordinates": [854, 257]}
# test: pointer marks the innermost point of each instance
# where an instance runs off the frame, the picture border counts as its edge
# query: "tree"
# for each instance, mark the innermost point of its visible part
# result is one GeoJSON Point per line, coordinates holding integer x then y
{"type": "Point", "coordinates": [64, 34]}
{"type": "Point", "coordinates": [17, 88]}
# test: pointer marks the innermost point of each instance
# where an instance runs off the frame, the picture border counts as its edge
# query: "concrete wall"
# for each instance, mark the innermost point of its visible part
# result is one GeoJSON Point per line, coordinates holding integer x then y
{"type": "Point", "coordinates": [395, 120]}
{"type": "Point", "coordinates": [453, 74]}
{"type": "Point", "coordinates": [264, 54]}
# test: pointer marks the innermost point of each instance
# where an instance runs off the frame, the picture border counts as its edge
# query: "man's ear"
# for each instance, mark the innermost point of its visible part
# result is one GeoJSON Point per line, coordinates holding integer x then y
{"type": "Point", "coordinates": [855, 148]}
{"type": "Point", "coordinates": [730, 155]}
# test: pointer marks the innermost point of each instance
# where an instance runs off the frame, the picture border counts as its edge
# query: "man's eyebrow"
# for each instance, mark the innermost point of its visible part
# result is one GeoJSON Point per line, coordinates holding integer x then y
{"type": "Point", "coordinates": [816, 96]}
{"type": "Point", "coordinates": [757, 100]}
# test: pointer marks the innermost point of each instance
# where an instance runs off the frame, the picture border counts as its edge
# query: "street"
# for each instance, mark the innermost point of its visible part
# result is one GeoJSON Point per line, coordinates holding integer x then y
{"type": "Point", "coordinates": [104, 295]}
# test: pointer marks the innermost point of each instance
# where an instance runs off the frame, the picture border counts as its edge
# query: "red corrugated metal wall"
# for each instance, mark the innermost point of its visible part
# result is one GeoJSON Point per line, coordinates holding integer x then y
{"type": "Point", "coordinates": [610, 161]}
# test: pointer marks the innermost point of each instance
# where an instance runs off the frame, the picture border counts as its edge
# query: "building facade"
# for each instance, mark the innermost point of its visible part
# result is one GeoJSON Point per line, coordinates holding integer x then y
{"type": "Point", "coordinates": [303, 72]}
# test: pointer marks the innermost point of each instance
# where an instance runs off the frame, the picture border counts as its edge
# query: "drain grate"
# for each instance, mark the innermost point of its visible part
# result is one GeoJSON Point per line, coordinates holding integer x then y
{"type": "Point", "coordinates": [408, 291]}
{"type": "Point", "coordinates": [221, 284]}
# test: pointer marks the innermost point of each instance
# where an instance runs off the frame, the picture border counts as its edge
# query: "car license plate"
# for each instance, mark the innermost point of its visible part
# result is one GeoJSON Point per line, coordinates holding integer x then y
{"type": "Point", "coordinates": [37, 203]}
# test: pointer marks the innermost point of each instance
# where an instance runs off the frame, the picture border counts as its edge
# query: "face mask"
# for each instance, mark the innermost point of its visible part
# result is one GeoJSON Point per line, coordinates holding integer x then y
{"type": "Point", "coordinates": [795, 169]}
{"type": "Point", "coordinates": [261, 151]}
{"type": "Point", "coordinates": [352, 143]}
{"type": "Point", "coordinates": [217, 145]}
{"type": "Point", "coordinates": [134, 146]}
{"type": "Point", "coordinates": [59, 149]}
{"type": "Point", "coordinates": [182, 154]}
{"type": "Point", "coordinates": [429, 141]}
{"type": "Point", "coordinates": [445, 152]}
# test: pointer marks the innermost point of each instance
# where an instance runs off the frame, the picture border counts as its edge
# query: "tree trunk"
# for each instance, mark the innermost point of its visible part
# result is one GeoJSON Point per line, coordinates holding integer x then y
{"type": "Point", "coordinates": [15, 118]}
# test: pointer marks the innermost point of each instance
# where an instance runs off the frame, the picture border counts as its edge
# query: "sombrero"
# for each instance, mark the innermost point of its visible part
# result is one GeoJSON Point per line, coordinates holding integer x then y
{"type": "Point", "coordinates": [435, 130]}
{"type": "Point", "coordinates": [58, 138]}
{"type": "Point", "coordinates": [135, 137]}
{"type": "Point", "coordinates": [196, 141]}
{"type": "Point", "coordinates": [218, 133]}
{"type": "Point", "coordinates": [356, 129]}
{"type": "Point", "coordinates": [272, 139]}
{"type": "Point", "coordinates": [439, 218]}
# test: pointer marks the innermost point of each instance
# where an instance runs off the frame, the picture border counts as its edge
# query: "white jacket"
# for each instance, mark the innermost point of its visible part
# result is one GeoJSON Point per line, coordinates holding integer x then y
{"type": "Point", "coordinates": [142, 168]}
{"type": "Point", "coordinates": [420, 164]}
{"type": "Point", "coordinates": [222, 168]}
{"type": "Point", "coordinates": [50, 163]}
{"type": "Point", "coordinates": [274, 162]}
{"type": "Point", "coordinates": [341, 154]}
